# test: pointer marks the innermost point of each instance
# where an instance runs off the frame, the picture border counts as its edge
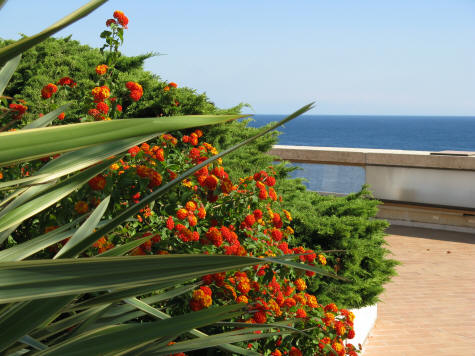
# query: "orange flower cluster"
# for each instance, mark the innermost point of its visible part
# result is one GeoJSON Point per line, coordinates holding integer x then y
{"type": "Point", "coordinates": [201, 298]}
{"type": "Point", "coordinates": [48, 90]}
{"type": "Point", "coordinates": [170, 85]}
{"type": "Point", "coordinates": [155, 178]}
{"type": "Point", "coordinates": [121, 18]}
{"type": "Point", "coordinates": [102, 245]}
{"type": "Point", "coordinates": [101, 69]}
{"type": "Point", "coordinates": [136, 90]}
{"type": "Point", "coordinates": [101, 93]}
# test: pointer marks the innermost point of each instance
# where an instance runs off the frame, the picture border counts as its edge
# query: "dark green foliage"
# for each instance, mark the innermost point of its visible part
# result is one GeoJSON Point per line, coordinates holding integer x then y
{"type": "Point", "coordinates": [56, 58]}
{"type": "Point", "coordinates": [326, 222]}
{"type": "Point", "coordinates": [348, 224]}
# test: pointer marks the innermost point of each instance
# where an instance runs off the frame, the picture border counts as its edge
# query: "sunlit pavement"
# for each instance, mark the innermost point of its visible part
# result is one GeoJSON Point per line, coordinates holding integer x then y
{"type": "Point", "coordinates": [429, 308]}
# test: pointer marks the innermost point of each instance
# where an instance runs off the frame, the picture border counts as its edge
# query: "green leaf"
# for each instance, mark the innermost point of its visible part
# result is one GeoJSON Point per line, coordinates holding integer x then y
{"type": "Point", "coordinates": [104, 34]}
{"type": "Point", "coordinates": [118, 295]}
{"type": "Point", "coordinates": [28, 340]}
{"type": "Point", "coordinates": [79, 241]}
{"type": "Point", "coordinates": [35, 279]}
{"type": "Point", "coordinates": [77, 160]}
{"type": "Point", "coordinates": [63, 324]}
{"type": "Point", "coordinates": [123, 249]}
{"type": "Point", "coordinates": [113, 339]}
{"type": "Point", "coordinates": [30, 247]}
{"type": "Point", "coordinates": [24, 317]}
{"type": "Point", "coordinates": [51, 196]}
{"type": "Point", "coordinates": [46, 119]}
{"type": "Point", "coordinates": [213, 340]}
{"type": "Point", "coordinates": [161, 315]}
{"type": "Point", "coordinates": [13, 50]}
{"type": "Point", "coordinates": [316, 269]}
{"type": "Point", "coordinates": [25, 145]}
{"type": "Point", "coordinates": [65, 164]}
{"type": "Point", "coordinates": [2, 2]}
{"type": "Point", "coordinates": [7, 71]}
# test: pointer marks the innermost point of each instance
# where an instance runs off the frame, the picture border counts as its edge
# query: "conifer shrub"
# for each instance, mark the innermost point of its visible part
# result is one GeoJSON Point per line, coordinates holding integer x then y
{"type": "Point", "coordinates": [354, 239]}
{"type": "Point", "coordinates": [326, 222]}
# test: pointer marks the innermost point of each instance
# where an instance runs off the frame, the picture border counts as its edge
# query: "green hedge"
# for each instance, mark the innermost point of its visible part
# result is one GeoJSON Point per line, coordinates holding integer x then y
{"type": "Point", "coordinates": [331, 223]}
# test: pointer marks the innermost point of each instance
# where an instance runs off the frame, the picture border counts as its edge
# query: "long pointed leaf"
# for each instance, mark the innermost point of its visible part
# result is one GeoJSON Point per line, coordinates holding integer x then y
{"type": "Point", "coordinates": [161, 315]}
{"type": "Point", "coordinates": [24, 317]}
{"type": "Point", "coordinates": [316, 269]}
{"type": "Point", "coordinates": [79, 241]}
{"type": "Point", "coordinates": [123, 249]}
{"type": "Point", "coordinates": [22, 45]}
{"type": "Point", "coordinates": [30, 247]}
{"type": "Point", "coordinates": [46, 119]}
{"type": "Point", "coordinates": [28, 340]}
{"type": "Point", "coordinates": [25, 145]}
{"type": "Point", "coordinates": [68, 163]}
{"type": "Point", "coordinates": [111, 340]}
{"type": "Point", "coordinates": [7, 71]}
{"type": "Point", "coordinates": [130, 292]}
{"type": "Point", "coordinates": [212, 341]}
{"type": "Point", "coordinates": [51, 196]}
{"type": "Point", "coordinates": [63, 324]}
{"type": "Point", "coordinates": [79, 159]}
{"type": "Point", "coordinates": [37, 279]}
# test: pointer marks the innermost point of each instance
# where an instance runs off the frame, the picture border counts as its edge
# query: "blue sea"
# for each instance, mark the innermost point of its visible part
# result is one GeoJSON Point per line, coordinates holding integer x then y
{"type": "Point", "coordinates": [421, 133]}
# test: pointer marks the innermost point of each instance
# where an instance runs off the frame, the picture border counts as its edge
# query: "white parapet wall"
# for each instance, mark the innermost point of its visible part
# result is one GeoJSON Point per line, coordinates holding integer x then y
{"type": "Point", "coordinates": [365, 318]}
{"type": "Point", "coordinates": [431, 188]}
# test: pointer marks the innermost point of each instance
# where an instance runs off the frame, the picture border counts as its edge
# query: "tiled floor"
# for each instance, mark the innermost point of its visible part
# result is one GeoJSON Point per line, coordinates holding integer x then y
{"type": "Point", "coordinates": [429, 308]}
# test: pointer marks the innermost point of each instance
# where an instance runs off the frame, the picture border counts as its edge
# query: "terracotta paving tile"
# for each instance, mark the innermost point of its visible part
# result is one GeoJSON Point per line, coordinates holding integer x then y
{"type": "Point", "coordinates": [429, 308]}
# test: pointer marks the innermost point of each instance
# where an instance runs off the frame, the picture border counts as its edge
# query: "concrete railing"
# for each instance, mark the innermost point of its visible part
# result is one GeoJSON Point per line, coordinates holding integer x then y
{"type": "Point", "coordinates": [416, 186]}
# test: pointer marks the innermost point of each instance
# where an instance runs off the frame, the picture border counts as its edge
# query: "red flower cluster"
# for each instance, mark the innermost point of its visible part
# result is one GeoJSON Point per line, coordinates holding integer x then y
{"type": "Point", "coordinates": [48, 90]}
{"type": "Point", "coordinates": [121, 18]}
{"type": "Point", "coordinates": [98, 182]}
{"type": "Point", "coordinates": [67, 81]}
{"type": "Point", "coordinates": [19, 110]}
{"type": "Point", "coordinates": [102, 107]}
{"type": "Point", "coordinates": [136, 90]}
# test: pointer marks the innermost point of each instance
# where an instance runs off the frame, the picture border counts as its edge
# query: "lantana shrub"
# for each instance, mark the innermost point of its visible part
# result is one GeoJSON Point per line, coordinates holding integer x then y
{"type": "Point", "coordinates": [210, 213]}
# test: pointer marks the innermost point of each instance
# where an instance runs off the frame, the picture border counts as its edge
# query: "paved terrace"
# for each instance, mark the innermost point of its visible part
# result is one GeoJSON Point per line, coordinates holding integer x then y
{"type": "Point", "coordinates": [429, 308]}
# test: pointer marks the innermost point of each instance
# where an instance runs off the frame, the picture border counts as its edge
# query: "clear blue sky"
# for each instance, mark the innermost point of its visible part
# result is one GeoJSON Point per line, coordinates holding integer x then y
{"type": "Point", "coordinates": [352, 57]}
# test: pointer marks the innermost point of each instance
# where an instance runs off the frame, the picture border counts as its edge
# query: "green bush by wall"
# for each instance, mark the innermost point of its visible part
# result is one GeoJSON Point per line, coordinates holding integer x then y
{"type": "Point", "coordinates": [332, 223]}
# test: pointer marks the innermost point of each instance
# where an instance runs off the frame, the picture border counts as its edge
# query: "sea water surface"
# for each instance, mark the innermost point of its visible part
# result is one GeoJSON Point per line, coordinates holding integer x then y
{"type": "Point", "coordinates": [421, 133]}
